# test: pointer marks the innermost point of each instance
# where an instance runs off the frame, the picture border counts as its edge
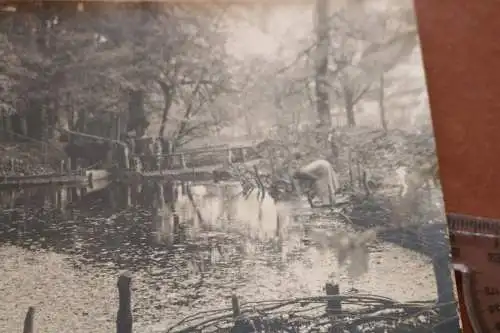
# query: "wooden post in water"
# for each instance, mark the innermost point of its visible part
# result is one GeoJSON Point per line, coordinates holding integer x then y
{"type": "Point", "coordinates": [333, 306]}
{"type": "Point", "coordinates": [230, 156]}
{"type": "Point", "coordinates": [124, 315]}
{"type": "Point", "coordinates": [240, 324]}
{"type": "Point", "coordinates": [176, 228]}
{"type": "Point", "coordinates": [90, 180]}
{"type": "Point", "coordinates": [235, 304]}
{"type": "Point", "coordinates": [29, 321]}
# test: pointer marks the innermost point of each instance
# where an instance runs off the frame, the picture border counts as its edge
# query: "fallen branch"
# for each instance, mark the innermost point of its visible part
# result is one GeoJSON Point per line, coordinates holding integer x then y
{"type": "Point", "coordinates": [358, 309]}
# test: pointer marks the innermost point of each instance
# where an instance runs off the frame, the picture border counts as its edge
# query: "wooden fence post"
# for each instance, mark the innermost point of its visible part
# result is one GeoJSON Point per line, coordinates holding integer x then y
{"type": "Point", "coordinates": [349, 161]}
{"type": "Point", "coordinates": [124, 315]}
{"type": "Point", "coordinates": [333, 306]}
{"type": "Point", "coordinates": [126, 153]}
{"type": "Point", "coordinates": [159, 163]}
{"type": "Point", "coordinates": [139, 166]}
{"type": "Point", "coordinates": [90, 180]}
{"type": "Point", "coordinates": [236, 306]}
{"type": "Point", "coordinates": [29, 321]}
{"type": "Point", "coordinates": [184, 188]}
{"type": "Point", "coordinates": [358, 172]}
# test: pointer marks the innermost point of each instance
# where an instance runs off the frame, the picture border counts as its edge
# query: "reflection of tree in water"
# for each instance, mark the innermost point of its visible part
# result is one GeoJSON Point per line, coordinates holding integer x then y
{"type": "Point", "coordinates": [120, 225]}
{"type": "Point", "coordinates": [133, 227]}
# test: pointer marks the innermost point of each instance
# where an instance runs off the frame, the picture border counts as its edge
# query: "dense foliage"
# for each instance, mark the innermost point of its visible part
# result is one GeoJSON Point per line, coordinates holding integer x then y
{"type": "Point", "coordinates": [65, 67]}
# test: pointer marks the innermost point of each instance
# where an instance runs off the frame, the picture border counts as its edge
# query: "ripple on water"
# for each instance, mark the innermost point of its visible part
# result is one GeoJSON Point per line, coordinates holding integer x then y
{"type": "Point", "coordinates": [177, 269]}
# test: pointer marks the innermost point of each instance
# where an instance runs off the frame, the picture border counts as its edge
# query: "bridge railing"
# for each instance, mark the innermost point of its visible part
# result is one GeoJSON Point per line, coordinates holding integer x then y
{"type": "Point", "coordinates": [193, 158]}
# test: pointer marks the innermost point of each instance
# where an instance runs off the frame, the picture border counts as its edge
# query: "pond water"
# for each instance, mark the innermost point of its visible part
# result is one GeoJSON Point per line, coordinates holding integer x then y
{"type": "Point", "coordinates": [62, 249]}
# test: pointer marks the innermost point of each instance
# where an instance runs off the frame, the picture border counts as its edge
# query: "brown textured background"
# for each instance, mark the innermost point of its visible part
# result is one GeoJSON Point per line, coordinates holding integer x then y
{"type": "Point", "coordinates": [461, 52]}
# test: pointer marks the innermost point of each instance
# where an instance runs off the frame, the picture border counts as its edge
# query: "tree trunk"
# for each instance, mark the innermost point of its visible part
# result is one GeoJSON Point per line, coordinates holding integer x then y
{"type": "Point", "coordinates": [72, 125]}
{"type": "Point", "coordinates": [24, 126]}
{"type": "Point", "coordinates": [322, 48]}
{"type": "Point", "coordinates": [81, 122]}
{"type": "Point", "coordinates": [381, 104]}
{"type": "Point", "coordinates": [349, 109]}
{"type": "Point", "coordinates": [8, 127]}
{"type": "Point", "coordinates": [45, 45]}
{"type": "Point", "coordinates": [44, 134]}
{"type": "Point", "coordinates": [136, 115]}
{"type": "Point", "coordinates": [52, 118]}
{"type": "Point", "coordinates": [168, 94]}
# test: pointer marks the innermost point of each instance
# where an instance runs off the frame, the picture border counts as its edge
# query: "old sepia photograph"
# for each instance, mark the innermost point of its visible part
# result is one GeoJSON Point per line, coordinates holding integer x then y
{"type": "Point", "coordinates": [217, 167]}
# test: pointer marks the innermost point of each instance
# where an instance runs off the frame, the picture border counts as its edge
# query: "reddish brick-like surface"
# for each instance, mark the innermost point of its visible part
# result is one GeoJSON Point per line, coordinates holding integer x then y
{"type": "Point", "coordinates": [461, 56]}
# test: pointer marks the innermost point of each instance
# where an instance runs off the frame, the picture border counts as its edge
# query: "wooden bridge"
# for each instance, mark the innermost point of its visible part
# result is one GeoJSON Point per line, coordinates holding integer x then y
{"type": "Point", "coordinates": [204, 163]}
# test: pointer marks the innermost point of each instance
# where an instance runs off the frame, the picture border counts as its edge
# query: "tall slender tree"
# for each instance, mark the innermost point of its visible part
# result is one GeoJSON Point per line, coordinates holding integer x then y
{"type": "Point", "coordinates": [322, 49]}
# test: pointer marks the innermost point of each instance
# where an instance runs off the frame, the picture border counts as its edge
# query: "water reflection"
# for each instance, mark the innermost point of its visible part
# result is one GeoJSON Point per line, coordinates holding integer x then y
{"type": "Point", "coordinates": [195, 244]}
{"type": "Point", "coordinates": [125, 224]}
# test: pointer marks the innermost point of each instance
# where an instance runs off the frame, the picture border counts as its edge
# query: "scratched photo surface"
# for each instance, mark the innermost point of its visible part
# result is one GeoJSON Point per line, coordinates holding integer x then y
{"type": "Point", "coordinates": [216, 167]}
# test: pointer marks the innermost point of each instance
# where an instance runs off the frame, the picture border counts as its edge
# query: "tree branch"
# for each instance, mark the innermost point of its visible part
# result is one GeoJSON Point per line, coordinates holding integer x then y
{"type": "Point", "coordinates": [189, 108]}
{"type": "Point", "coordinates": [168, 96]}
{"type": "Point", "coordinates": [361, 93]}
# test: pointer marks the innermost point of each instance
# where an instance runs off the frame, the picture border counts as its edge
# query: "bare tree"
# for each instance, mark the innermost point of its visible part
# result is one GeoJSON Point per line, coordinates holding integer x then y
{"type": "Point", "coordinates": [322, 50]}
{"type": "Point", "coordinates": [367, 49]}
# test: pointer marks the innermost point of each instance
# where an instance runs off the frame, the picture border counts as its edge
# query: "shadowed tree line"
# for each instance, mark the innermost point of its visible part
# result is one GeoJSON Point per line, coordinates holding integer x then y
{"type": "Point", "coordinates": [109, 70]}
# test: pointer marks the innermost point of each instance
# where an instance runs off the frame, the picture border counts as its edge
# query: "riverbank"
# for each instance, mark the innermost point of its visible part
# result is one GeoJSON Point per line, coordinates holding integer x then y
{"type": "Point", "coordinates": [83, 298]}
